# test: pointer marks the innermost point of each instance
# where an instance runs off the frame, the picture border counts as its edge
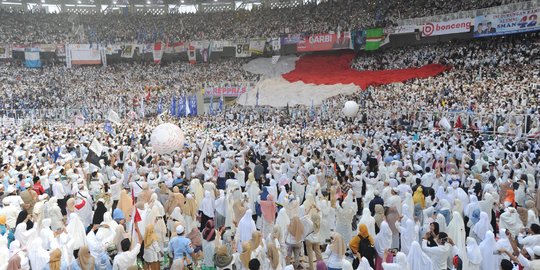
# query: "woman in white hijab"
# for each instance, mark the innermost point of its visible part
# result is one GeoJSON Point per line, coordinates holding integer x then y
{"type": "Point", "coordinates": [504, 243]}
{"type": "Point", "coordinates": [55, 214]}
{"type": "Point", "coordinates": [409, 234]}
{"type": "Point", "coordinates": [76, 231]}
{"type": "Point", "coordinates": [488, 247]}
{"type": "Point", "coordinates": [4, 251]}
{"type": "Point", "coordinates": [383, 241]}
{"type": "Point", "coordinates": [207, 209]}
{"type": "Point", "coordinates": [442, 222]}
{"type": "Point", "coordinates": [417, 258]}
{"type": "Point", "coordinates": [46, 233]}
{"type": "Point", "coordinates": [246, 227]}
{"type": "Point", "coordinates": [474, 254]}
{"type": "Point", "coordinates": [196, 188]}
{"type": "Point", "coordinates": [22, 234]}
{"type": "Point", "coordinates": [283, 220]}
{"type": "Point", "coordinates": [368, 220]}
{"type": "Point", "coordinates": [400, 263]}
{"type": "Point", "coordinates": [510, 220]}
{"type": "Point", "coordinates": [220, 205]}
{"type": "Point", "coordinates": [479, 229]}
{"type": "Point", "coordinates": [456, 232]}
{"type": "Point", "coordinates": [364, 265]}
{"type": "Point", "coordinates": [486, 205]}
{"type": "Point", "coordinates": [38, 256]}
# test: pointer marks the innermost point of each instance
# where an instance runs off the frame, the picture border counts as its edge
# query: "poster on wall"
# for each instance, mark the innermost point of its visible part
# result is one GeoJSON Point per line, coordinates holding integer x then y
{"type": "Point", "coordinates": [507, 23]}
{"type": "Point", "coordinates": [324, 42]}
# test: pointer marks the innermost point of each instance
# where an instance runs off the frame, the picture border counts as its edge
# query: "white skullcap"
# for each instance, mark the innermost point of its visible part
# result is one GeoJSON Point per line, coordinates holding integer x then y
{"type": "Point", "coordinates": [179, 229]}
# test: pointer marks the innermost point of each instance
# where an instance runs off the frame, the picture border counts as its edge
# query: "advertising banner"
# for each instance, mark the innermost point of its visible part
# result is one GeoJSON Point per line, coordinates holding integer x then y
{"type": "Point", "coordinates": [231, 91]}
{"type": "Point", "coordinates": [324, 42]}
{"type": "Point", "coordinates": [400, 29]}
{"type": "Point", "coordinates": [84, 54]}
{"type": "Point", "coordinates": [291, 39]}
{"type": "Point", "coordinates": [507, 23]}
{"type": "Point", "coordinates": [445, 28]}
{"type": "Point", "coordinates": [5, 52]}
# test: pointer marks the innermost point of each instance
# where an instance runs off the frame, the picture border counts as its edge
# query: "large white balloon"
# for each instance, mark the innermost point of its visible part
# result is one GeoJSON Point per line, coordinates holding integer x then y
{"type": "Point", "coordinates": [350, 109]}
{"type": "Point", "coordinates": [167, 138]}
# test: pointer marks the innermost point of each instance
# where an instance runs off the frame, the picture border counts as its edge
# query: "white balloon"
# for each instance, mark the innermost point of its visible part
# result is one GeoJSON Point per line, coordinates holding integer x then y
{"type": "Point", "coordinates": [350, 109]}
{"type": "Point", "coordinates": [167, 138]}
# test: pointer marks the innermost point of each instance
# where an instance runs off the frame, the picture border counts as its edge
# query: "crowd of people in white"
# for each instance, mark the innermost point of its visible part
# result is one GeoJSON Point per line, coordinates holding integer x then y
{"type": "Point", "coordinates": [267, 188]}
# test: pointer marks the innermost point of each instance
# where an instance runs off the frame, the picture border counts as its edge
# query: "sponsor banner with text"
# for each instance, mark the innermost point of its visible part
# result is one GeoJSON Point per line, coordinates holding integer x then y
{"type": "Point", "coordinates": [507, 23]}
{"type": "Point", "coordinates": [445, 28]}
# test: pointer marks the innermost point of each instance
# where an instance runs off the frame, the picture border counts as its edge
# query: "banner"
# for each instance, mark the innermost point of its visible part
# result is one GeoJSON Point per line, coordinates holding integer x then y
{"type": "Point", "coordinates": [4, 52]}
{"type": "Point", "coordinates": [242, 50]}
{"type": "Point", "coordinates": [256, 45]}
{"type": "Point", "coordinates": [128, 51]}
{"type": "Point", "coordinates": [291, 39]}
{"type": "Point", "coordinates": [217, 46]}
{"type": "Point", "coordinates": [507, 23]}
{"type": "Point", "coordinates": [276, 44]}
{"type": "Point", "coordinates": [47, 47]}
{"type": "Point", "coordinates": [83, 54]}
{"type": "Point", "coordinates": [32, 58]}
{"type": "Point", "coordinates": [445, 28]}
{"type": "Point", "coordinates": [112, 49]}
{"type": "Point", "coordinates": [359, 40]}
{"type": "Point", "coordinates": [192, 54]}
{"type": "Point", "coordinates": [400, 29]}
{"type": "Point", "coordinates": [324, 42]}
{"type": "Point", "coordinates": [157, 52]}
{"type": "Point", "coordinates": [231, 91]}
{"type": "Point", "coordinates": [374, 38]}
{"type": "Point", "coordinates": [61, 50]}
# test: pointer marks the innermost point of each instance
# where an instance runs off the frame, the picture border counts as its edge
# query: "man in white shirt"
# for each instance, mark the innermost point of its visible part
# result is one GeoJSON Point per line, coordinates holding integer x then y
{"type": "Point", "coordinates": [532, 239]}
{"type": "Point", "coordinates": [439, 253]}
{"type": "Point", "coordinates": [127, 257]}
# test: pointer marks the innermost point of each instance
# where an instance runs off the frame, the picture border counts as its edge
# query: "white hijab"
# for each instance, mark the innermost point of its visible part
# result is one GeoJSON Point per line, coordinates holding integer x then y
{"type": "Point", "coordinates": [510, 220]}
{"type": "Point", "coordinates": [220, 203]}
{"type": "Point", "coordinates": [38, 256]}
{"type": "Point", "coordinates": [487, 247]}
{"type": "Point", "coordinates": [207, 204]}
{"type": "Point", "coordinates": [456, 231]}
{"type": "Point", "coordinates": [76, 231]}
{"type": "Point", "coordinates": [473, 251]}
{"type": "Point", "coordinates": [400, 263]}
{"type": "Point", "coordinates": [364, 265]}
{"type": "Point", "coordinates": [383, 240]}
{"type": "Point", "coordinates": [283, 220]}
{"type": "Point", "coordinates": [246, 227]}
{"type": "Point", "coordinates": [471, 206]}
{"type": "Point", "coordinates": [417, 258]}
{"type": "Point", "coordinates": [482, 226]}
{"type": "Point", "coordinates": [368, 220]}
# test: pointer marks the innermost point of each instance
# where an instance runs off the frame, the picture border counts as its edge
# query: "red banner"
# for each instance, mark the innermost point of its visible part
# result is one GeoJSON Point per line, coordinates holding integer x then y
{"type": "Point", "coordinates": [324, 42]}
{"type": "Point", "coordinates": [232, 91]}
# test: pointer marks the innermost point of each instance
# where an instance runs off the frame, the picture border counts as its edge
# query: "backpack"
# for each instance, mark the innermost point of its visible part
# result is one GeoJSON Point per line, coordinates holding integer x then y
{"type": "Point", "coordinates": [366, 249]}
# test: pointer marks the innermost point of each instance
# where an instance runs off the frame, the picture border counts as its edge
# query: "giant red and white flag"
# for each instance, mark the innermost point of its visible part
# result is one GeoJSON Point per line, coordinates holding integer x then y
{"type": "Point", "coordinates": [158, 52]}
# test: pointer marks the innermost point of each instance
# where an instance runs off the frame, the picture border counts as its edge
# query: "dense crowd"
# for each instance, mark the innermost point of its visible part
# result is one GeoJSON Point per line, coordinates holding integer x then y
{"type": "Point", "coordinates": [260, 22]}
{"type": "Point", "coordinates": [98, 89]}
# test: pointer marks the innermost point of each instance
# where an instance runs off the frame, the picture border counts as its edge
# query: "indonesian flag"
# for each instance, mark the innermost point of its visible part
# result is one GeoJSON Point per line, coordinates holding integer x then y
{"type": "Point", "coordinates": [136, 216]}
{"type": "Point", "coordinates": [147, 98]}
{"type": "Point", "coordinates": [158, 52]}
{"type": "Point", "coordinates": [192, 54]}
{"type": "Point", "coordinates": [458, 123]}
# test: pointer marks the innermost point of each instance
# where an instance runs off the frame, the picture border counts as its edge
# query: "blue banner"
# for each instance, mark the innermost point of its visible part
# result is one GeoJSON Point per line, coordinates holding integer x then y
{"type": "Point", "coordinates": [507, 23]}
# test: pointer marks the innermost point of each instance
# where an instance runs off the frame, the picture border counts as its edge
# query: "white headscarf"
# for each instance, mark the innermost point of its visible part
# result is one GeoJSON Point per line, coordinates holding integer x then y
{"type": "Point", "coordinates": [473, 204]}
{"type": "Point", "coordinates": [364, 264]}
{"type": "Point", "coordinates": [76, 231]}
{"type": "Point", "coordinates": [486, 205]}
{"type": "Point", "coordinates": [383, 240]}
{"type": "Point", "coordinates": [38, 256]}
{"type": "Point", "coordinates": [473, 251]}
{"type": "Point", "coordinates": [400, 263]}
{"type": "Point", "coordinates": [246, 227]}
{"type": "Point", "coordinates": [409, 234]}
{"type": "Point", "coordinates": [417, 258]}
{"type": "Point", "coordinates": [220, 203]}
{"type": "Point", "coordinates": [283, 220]}
{"type": "Point", "coordinates": [4, 251]}
{"type": "Point", "coordinates": [368, 220]}
{"type": "Point", "coordinates": [442, 222]}
{"type": "Point", "coordinates": [482, 226]}
{"type": "Point", "coordinates": [487, 247]}
{"type": "Point", "coordinates": [456, 231]}
{"type": "Point", "coordinates": [207, 204]}
{"type": "Point", "coordinates": [510, 220]}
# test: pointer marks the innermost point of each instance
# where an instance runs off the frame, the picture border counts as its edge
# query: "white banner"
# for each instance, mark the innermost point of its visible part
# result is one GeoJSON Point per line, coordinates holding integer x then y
{"type": "Point", "coordinates": [128, 51]}
{"type": "Point", "coordinates": [84, 54]}
{"type": "Point", "coordinates": [5, 51]}
{"type": "Point", "coordinates": [400, 29]}
{"type": "Point", "coordinates": [217, 46]}
{"type": "Point", "coordinates": [256, 46]}
{"type": "Point", "coordinates": [276, 44]}
{"type": "Point", "coordinates": [242, 50]}
{"type": "Point", "coordinates": [445, 28]}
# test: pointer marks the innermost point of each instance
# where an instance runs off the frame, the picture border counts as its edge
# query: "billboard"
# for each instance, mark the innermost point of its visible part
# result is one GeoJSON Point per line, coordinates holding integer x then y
{"type": "Point", "coordinates": [324, 42]}
{"type": "Point", "coordinates": [445, 28]}
{"type": "Point", "coordinates": [507, 23]}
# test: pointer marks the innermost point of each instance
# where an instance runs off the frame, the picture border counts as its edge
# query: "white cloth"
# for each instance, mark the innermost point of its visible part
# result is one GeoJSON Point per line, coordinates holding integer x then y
{"type": "Point", "coordinates": [400, 263]}
{"type": "Point", "coordinates": [383, 240]}
{"type": "Point", "coordinates": [482, 226]}
{"type": "Point", "coordinates": [473, 254]}
{"type": "Point", "coordinates": [510, 220]}
{"type": "Point", "coordinates": [207, 204]}
{"type": "Point", "coordinates": [487, 248]}
{"type": "Point", "coordinates": [368, 220]}
{"type": "Point", "coordinates": [456, 232]}
{"type": "Point", "coordinates": [38, 256]}
{"type": "Point", "coordinates": [364, 265]}
{"type": "Point", "coordinates": [417, 258]}
{"type": "Point", "coordinates": [76, 231]}
{"type": "Point", "coordinates": [246, 227]}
